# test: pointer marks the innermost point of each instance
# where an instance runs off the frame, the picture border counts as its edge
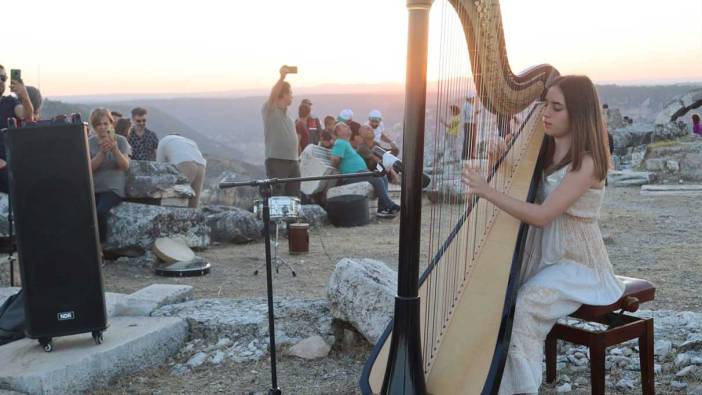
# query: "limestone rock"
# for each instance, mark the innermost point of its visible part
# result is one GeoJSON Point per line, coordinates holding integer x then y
{"type": "Point", "coordinates": [679, 106]}
{"type": "Point", "coordinates": [687, 155]}
{"type": "Point", "coordinates": [233, 224]}
{"type": "Point", "coordinates": [148, 179]}
{"type": "Point", "coordinates": [314, 215]}
{"type": "Point", "coordinates": [655, 164]}
{"type": "Point", "coordinates": [662, 348]}
{"type": "Point", "coordinates": [672, 165]}
{"type": "Point", "coordinates": [627, 178]}
{"type": "Point", "coordinates": [197, 360]}
{"type": "Point", "coordinates": [242, 197]}
{"type": "Point", "coordinates": [313, 347]}
{"type": "Point", "coordinates": [625, 385]}
{"type": "Point", "coordinates": [362, 292]}
{"type": "Point", "coordinates": [134, 225]}
{"type": "Point", "coordinates": [363, 188]}
{"type": "Point", "coordinates": [245, 321]}
{"type": "Point", "coordinates": [686, 371]}
{"type": "Point", "coordinates": [678, 385]}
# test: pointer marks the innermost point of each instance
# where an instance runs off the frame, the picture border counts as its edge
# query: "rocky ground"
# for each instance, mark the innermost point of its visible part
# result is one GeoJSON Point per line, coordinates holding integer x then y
{"type": "Point", "coordinates": [656, 238]}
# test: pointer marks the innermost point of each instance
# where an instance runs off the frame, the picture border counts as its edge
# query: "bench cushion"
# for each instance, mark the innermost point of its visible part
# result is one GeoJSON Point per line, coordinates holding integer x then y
{"type": "Point", "coordinates": [642, 290]}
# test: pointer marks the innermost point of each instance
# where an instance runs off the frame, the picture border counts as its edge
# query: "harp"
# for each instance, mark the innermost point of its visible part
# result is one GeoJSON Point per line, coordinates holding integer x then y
{"type": "Point", "coordinates": [451, 328]}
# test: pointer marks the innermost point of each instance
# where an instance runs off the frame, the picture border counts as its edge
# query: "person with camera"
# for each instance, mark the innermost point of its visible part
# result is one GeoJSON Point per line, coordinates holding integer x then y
{"type": "Point", "coordinates": [20, 108]}
{"type": "Point", "coordinates": [109, 153]}
{"type": "Point", "coordinates": [280, 136]}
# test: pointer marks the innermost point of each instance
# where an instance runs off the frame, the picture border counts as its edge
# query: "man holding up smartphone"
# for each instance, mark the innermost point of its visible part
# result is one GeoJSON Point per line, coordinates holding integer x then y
{"type": "Point", "coordinates": [281, 137]}
{"type": "Point", "coordinates": [20, 108]}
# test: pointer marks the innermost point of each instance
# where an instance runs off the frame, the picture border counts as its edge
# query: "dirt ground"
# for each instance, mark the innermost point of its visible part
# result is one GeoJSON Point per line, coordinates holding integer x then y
{"type": "Point", "coordinates": [656, 238]}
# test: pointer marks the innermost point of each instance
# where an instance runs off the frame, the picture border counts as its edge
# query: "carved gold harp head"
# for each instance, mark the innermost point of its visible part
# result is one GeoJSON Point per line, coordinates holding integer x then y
{"type": "Point", "coordinates": [450, 333]}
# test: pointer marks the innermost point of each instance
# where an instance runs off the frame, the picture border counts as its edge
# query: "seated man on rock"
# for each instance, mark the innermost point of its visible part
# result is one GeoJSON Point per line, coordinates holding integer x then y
{"type": "Point", "coordinates": [348, 161]}
{"type": "Point", "coordinates": [365, 149]}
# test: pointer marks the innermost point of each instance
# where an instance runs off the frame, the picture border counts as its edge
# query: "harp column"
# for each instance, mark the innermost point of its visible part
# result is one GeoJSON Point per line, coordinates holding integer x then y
{"type": "Point", "coordinates": [405, 373]}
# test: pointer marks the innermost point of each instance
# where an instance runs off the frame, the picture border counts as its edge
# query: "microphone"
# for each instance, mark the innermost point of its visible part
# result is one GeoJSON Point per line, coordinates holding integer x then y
{"type": "Point", "coordinates": [393, 162]}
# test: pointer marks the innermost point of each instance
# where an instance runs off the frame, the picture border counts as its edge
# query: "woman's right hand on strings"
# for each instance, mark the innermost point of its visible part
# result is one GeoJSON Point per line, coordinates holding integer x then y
{"type": "Point", "coordinates": [474, 180]}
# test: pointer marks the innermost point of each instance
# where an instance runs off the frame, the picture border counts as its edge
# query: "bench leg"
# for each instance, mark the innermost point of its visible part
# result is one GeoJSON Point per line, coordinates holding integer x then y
{"type": "Point", "coordinates": [646, 358]}
{"type": "Point", "coordinates": [597, 368]}
{"type": "Point", "coordinates": [551, 358]}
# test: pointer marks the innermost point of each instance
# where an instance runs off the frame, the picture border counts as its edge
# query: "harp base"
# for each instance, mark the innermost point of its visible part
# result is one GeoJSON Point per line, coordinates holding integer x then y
{"type": "Point", "coordinates": [404, 373]}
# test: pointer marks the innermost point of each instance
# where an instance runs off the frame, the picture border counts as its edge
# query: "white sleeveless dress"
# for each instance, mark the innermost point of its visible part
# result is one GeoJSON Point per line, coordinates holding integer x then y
{"type": "Point", "coordinates": [565, 265]}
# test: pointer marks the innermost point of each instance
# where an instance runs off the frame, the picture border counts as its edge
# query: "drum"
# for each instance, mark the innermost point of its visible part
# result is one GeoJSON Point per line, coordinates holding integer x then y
{"type": "Point", "coordinates": [315, 161]}
{"type": "Point", "coordinates": [298, 238]}
{"type": "Point", "coordinates": [192, 268]}
{"type": "Point", "coordinates": [170, 250]}
{"type": "Point", "coordinates": [281, 208]}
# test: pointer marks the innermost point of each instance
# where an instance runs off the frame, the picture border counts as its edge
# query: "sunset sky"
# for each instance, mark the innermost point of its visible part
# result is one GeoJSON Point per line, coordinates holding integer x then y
{"type": "Point", "coordinates": [81, 47]}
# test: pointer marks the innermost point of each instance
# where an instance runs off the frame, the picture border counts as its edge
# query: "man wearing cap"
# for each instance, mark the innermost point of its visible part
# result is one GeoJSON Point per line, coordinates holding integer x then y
{"type": "Point", "coordinates": [281, 138]}
{"type": "Point", "coordinates": [375, 122]}
{"type": "Point", "coordinates": [314, 126]}
{"type": "Point", "coordinates": [346, 116]}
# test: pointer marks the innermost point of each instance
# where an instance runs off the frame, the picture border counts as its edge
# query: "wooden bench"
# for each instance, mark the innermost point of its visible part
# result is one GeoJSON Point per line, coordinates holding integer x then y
{"type": "Point", "coordinates": [621, 327]}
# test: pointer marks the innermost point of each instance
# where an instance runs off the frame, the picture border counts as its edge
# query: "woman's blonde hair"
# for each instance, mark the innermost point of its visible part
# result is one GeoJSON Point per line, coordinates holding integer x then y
{"type": "Point", "coordinates": [97, 114]}
{"type": "Point", "coordinates": [588, 133]}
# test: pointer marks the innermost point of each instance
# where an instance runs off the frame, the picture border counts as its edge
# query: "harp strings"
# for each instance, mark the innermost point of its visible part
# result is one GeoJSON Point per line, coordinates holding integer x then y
{"type": "Point", "coordinates": [451, 257]}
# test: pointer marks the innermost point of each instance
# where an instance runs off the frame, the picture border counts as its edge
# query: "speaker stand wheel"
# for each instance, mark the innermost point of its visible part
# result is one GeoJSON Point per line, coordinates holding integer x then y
{"type": "Point", "coordinates": [97, 336]}
{"type": "Point", "coordinates": [46, 343]}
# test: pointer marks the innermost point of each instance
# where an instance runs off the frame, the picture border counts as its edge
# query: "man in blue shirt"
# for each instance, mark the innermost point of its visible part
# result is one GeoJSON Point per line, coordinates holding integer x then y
{"type": "Point", "coordinates": [348, 161]}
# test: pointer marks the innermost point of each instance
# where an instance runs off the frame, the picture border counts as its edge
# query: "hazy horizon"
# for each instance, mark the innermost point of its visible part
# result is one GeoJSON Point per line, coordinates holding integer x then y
{"type": "Point", "coordinates": [74, 47]}
{"type": "Point", "coordinates": [324, 89]}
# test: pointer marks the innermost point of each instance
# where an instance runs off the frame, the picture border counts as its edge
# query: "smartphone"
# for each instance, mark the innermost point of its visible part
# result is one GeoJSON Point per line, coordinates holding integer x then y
{"type": "Point", "coordinates": [16, 75]}
{"type": "Point", "coordinates": [291, 69]}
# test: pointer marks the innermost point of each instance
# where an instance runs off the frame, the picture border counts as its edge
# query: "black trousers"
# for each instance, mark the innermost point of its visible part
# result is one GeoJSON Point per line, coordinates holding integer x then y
{"type": "Point", "coordinates": [104, 202]}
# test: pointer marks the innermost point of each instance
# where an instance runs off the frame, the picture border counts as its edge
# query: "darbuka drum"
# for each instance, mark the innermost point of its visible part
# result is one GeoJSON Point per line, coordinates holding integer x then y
{"type": "Point", "coordinates": [299, 238]}
{"type": "Point", "coordinates": [281, 207]}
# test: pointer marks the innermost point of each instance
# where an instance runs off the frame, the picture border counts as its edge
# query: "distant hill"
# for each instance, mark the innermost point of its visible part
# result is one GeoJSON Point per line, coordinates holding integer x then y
{"type": "Point", "coordinates": [236, 122]}
{"type": "Point", "coordinates": [160, 122]}
{"type": "Point", "coordinates": [231, 127]}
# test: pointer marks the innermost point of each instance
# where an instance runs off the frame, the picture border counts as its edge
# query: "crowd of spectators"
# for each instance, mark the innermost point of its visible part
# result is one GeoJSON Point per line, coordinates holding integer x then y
{"type": "Point", "coordinates": [113, 141]}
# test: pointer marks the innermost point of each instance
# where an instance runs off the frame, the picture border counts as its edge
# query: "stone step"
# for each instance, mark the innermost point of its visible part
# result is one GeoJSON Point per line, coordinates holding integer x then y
{"type": "Point", "coordinates": [671, 190]}
{"type": "Point", "coordinates": [77, 364]}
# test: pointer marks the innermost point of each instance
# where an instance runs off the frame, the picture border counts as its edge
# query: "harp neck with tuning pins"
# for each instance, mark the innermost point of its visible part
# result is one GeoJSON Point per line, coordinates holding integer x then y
{"type": "Point", "coordinates": [451, 327]}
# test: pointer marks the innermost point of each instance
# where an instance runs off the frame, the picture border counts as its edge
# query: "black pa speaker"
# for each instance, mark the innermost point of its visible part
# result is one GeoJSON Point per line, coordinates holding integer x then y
{"type": "Point", "coordinates": [51, 190]}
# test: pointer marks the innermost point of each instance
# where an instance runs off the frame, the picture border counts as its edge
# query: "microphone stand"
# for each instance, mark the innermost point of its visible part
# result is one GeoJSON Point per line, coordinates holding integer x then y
{"type": "Point", "coordinates": [264, 188]}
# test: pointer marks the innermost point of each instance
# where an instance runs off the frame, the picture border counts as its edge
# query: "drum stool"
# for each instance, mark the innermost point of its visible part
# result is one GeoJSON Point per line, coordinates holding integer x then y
{"type": "Point", "coordinates": [620, 328]}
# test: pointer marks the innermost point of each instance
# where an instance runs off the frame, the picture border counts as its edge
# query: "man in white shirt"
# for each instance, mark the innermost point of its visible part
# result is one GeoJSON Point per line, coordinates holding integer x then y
{"type": "Point", "coordinates": [186, 156]}
{"type": "Point", "coordinates": [375, 122]}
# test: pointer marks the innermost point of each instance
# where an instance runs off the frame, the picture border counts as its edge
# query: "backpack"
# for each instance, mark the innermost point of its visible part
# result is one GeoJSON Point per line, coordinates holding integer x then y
{"type": "Point", "coordinates": [12, 319]}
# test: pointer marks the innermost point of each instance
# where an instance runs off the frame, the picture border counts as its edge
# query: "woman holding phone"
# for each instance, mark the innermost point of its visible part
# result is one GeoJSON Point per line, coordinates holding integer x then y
{"type": "Point", "coordinates": [109, 153]}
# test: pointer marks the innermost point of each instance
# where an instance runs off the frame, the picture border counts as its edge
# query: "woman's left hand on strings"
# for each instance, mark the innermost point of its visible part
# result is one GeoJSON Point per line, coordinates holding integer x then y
{"type": "Point", "coordinates": [474, 180]}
